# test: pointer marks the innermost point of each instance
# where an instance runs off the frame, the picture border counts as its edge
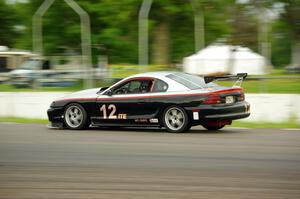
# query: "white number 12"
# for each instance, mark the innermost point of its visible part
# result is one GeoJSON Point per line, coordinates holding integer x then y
{"type": "Point", "coordinates": [111, 107]}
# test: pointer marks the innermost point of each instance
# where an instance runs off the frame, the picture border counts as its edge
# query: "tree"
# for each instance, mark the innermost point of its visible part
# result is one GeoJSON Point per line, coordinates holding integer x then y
{"type": "Point", "coordinates": [243, 26]}
{"type": "Point", "coordinates": [173, 26]}
{"type": "Point", "coordinates": [292, 18]}
{"type": "Point", "coordinates": [114, 26]}
{"type": "Point", "coordinates": [7, 24]}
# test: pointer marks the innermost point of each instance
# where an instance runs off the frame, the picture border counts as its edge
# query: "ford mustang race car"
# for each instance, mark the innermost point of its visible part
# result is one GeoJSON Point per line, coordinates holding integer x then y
{"type": "Point", "coordinates": [174, 100]}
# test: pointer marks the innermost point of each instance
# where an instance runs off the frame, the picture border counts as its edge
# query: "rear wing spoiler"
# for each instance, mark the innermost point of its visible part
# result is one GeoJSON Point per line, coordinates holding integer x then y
{"type": "Point", "coordinates": [240, 78]}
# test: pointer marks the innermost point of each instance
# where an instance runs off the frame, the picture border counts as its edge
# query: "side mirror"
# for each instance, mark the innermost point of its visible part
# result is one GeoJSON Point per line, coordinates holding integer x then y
{"type": "Point", "coordinates": [109, 93]}
{"type": "Point", "coordinates": [102, 89]}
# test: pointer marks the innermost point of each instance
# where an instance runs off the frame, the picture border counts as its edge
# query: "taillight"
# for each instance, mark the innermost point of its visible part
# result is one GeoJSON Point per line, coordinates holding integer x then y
{"type": "Point", "coordinates": [241, 97]}
{"type": "Point", "coordinates": [213, 99]}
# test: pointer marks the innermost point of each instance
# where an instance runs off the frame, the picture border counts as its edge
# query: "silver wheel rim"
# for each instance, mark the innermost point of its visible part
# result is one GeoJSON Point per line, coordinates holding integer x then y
{"type": "Point", "coordinates": [174, 119]}
{"type": "Point", "coordinates": [74, 116]}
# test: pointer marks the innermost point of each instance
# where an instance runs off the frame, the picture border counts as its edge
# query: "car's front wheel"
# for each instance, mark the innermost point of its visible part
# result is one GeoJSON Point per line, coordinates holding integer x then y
{"type": "Point", "coordinates": [176, 120]}
{"type": "Point", "coordinates": [75, 117]}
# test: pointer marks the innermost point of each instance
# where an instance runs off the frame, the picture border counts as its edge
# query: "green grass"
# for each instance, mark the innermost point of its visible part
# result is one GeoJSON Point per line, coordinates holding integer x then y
{"type": "Point", "coordinates": [280, 72]}
{"type": "Point", "coordinates": [78, 86]}
{"type": "Point", "coordinates": [251, 86]}
{"type": "Point", "coordinates": [121, 71]}
{"type": "Point", "coordinates": [284, 85]}
{"type": "Point", "coordinates": [10, 88]}
{"type": "Point", "coordinates": [23, 120]}
{"type": "Point", "coordinates": [260, 86]}
{"type": "Point", "coordinates": [278, 85]}
{"type": "Point", "coordinates": [238, 123]}
{"type": "Point", "coordinates": [268, 86]}
{"type": "Point", "coordinates": [288, 124]}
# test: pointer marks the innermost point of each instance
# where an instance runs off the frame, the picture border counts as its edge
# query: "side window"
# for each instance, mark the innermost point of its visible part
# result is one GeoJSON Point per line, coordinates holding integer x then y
{"type": "Point", "coordinates": [160, 86]}
{"type": "Point", "coordinates": [134, 87]}
{"type": "Point", "coordinates": [146, 86]}
{"type": "Point", "coordinates": [123, 89]}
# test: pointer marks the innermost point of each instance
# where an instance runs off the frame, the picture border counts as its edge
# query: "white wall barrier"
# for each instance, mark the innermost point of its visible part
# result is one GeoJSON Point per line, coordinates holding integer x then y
{"type": "Point", "coordinates": [27, 104]}
{"type": "Point", "coordinates": [264, 107]}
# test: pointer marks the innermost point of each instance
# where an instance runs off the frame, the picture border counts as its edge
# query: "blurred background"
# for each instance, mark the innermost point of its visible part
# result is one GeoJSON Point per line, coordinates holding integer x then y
{"type": "Point", "coordinates": [70, 45]}
{"type": "Point", "coordinates": [49, 48]}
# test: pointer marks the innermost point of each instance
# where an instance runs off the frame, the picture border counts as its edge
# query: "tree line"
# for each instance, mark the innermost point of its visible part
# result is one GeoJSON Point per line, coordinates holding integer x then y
{"type": "Point", "coordinates": [273, 25]}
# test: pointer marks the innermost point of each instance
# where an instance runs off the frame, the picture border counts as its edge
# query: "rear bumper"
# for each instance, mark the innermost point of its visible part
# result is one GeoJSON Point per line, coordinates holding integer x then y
{"type": "Point", "coordinates": [221, 112]}
{"type": "Point", "coordinates": [229, 116]}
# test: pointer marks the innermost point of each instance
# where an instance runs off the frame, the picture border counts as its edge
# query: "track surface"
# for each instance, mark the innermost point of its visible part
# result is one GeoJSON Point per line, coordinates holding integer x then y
{"type": "Point", "coordinates": [36, 162]}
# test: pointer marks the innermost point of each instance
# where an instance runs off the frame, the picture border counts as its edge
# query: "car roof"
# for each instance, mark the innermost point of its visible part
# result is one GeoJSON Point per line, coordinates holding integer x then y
{"type": "Point", "coordinates": [158, 74]}
{"type": "Point", "coordinates": [162, 75]}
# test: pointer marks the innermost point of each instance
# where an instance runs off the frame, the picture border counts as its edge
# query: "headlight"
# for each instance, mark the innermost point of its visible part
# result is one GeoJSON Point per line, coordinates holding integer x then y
{"type": "Point", "coordinates": [53, 104]}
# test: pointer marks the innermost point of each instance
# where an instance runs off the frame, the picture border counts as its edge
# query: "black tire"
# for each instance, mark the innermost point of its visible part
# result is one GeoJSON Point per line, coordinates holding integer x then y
{"type": "Point", "coordinates": [213, 128]}
{"type": "Point", "coordinates": [76, 121]}
{"type": "Point", "coordinates": [177, 124]}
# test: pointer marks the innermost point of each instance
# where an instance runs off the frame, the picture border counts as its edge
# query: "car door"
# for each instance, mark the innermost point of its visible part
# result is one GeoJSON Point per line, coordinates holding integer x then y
{"type": "Point", "coordinates": [125, 103]}
{"type": "Point", "coordinates": [157, 100]}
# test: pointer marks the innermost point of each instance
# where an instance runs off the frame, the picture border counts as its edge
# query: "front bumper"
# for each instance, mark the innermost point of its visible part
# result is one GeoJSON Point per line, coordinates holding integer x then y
{"type": "Point", "coordinates": [55, 115]}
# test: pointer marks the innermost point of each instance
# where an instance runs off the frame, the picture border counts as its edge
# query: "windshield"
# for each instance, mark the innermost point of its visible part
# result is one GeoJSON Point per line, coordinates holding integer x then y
{"type": "Point", "coordinates": [190, 81]}
{"type": "Point", "coordinates": [30, 65]}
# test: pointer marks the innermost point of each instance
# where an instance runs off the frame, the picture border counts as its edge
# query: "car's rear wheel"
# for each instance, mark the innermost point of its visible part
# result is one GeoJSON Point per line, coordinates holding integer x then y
{"type": "Point", "coordinates": [75, 117]}
{"type": "Point", "coordinates": [213, 128]}
{"type": "Point", "coordinates": [175, 120]}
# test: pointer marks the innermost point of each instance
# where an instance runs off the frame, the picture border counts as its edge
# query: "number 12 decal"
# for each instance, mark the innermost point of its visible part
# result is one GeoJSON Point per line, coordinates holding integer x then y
{"type": "Point", "coordinates": [112, 108]}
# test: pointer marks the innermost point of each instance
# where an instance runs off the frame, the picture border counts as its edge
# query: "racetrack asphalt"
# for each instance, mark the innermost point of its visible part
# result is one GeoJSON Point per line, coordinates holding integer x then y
{"type": "Point", "coordinates": [37, 162]}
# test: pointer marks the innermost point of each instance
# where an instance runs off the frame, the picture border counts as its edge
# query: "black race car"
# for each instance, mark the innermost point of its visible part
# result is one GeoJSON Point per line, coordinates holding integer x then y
{"type": "Point", "coordinates": [174, 100]}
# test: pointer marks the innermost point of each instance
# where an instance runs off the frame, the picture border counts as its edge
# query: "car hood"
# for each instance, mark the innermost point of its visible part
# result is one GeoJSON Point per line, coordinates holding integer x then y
{"type": "Point", "coordinates": [88, 93]}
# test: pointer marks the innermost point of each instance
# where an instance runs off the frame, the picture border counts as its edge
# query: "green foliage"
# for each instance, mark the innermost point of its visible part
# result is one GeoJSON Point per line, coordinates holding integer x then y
{"type": "Point", "coordinates": [8, 18]}
{"type": "Point", "coordinates": [281, 44]}
{"type": "Point", "coordinates": [292, 16]}
{"type": "Point", "coordinates": [114, 26]}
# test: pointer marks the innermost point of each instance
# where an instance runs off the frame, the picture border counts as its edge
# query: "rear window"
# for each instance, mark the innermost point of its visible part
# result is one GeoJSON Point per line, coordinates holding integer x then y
{"type": "Point", "coordinates": [190, 81]}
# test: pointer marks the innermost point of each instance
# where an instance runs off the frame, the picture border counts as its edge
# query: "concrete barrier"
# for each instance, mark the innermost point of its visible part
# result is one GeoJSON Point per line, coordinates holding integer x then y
{"type": "Point", "coordinates": [264, 107]}
{"type": "Point", "coordinates": [274, 107]}
{"type": "Point", "coordinates": [27, 104]}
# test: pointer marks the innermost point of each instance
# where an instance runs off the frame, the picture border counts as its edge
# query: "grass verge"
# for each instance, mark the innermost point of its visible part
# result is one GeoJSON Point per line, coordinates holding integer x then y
{"type": "Point", "coordinates": [285, 85]}
{"type": "Point", "coordinates": [282, 86]}
{"type": "Point", "coordinates": [238, 123]}
{"type": "Point", "coordinates": [269, 125]}
{"type": "Point", "coordinates": [23, 120]}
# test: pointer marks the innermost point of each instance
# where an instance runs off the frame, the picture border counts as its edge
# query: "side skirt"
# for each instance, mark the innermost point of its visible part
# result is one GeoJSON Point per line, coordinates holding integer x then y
{"type": "Point", "coordinates": [124, 125]}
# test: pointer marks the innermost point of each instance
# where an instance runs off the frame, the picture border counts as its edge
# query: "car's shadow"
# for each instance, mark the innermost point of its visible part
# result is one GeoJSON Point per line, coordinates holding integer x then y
{"type": "Point", "coordinates": [196, 130]}
{"type": "Point", "coordinates": [193, 130]}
